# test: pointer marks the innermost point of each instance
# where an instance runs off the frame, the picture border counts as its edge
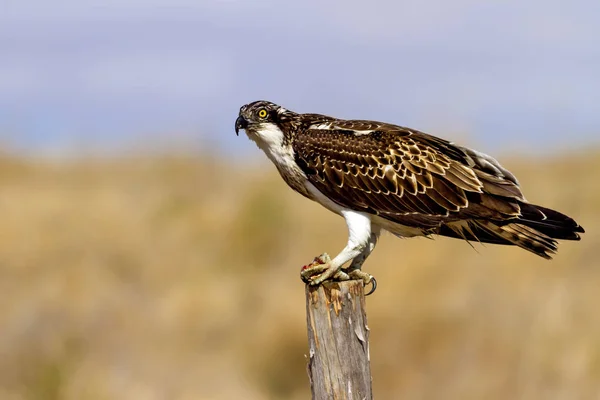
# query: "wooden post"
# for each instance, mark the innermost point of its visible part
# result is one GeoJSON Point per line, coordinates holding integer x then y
{"type": "Point", "coordinates": [338, 337]}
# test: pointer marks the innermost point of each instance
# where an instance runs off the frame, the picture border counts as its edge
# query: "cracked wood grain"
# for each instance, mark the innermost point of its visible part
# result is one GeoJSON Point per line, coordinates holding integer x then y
{"type": "Point", "coordinates": [338, 337]}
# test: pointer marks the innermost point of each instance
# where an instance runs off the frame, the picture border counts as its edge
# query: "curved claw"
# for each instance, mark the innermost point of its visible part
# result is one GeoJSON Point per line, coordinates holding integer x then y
{"type": "Point", "coordinates": [304, 279]}
{"type": "Point", "coordinates": [373, 286]}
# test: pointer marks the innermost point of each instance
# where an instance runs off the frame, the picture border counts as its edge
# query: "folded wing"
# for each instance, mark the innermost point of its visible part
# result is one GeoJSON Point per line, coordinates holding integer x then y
{"type": "Point", "coordinates": [418, 180]}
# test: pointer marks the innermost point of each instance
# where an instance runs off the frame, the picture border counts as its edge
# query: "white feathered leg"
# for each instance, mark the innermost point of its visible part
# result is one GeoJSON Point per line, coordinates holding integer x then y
{"type": "Point", "coordinates": [354, 270]}
{"type": "Point", "coordinates": [358, 261]}
{"type": "Point", "coordinates": [359, 237]}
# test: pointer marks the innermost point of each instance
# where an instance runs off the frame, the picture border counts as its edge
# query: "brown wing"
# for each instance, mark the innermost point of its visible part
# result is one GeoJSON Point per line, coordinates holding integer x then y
{"type": "Point", "coordinates": [403, 175]}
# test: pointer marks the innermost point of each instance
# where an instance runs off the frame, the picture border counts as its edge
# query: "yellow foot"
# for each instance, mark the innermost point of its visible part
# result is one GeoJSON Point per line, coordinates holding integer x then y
{"type": "Point", "coordinates": [359, 275]}
{"type": "Point", "coordinates": [320, 270]}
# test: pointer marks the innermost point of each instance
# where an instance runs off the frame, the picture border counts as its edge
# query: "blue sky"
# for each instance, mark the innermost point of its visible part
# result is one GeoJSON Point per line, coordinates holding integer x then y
{"type": "Point", "coordinates": [500, 75]}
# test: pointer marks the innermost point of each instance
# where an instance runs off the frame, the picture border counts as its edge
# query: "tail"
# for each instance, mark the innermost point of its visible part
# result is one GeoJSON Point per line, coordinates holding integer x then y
{"type": "Point", "coordinates": [537, 229]}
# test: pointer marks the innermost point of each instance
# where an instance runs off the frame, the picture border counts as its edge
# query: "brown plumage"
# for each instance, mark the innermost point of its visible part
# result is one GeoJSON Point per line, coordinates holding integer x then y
{"type": "Point", "coordinates": [418, 181]}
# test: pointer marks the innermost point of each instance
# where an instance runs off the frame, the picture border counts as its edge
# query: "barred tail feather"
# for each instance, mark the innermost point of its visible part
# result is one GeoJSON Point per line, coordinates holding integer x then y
{"type": "Point", "coordinates": [536, 230]}
{"type": "Point", "coordinates": [550, 222]}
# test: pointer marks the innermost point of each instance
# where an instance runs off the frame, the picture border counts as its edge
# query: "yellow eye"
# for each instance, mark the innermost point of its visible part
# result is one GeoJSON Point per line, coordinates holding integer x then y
{"type": "Point", "coordinates": [262, 113]}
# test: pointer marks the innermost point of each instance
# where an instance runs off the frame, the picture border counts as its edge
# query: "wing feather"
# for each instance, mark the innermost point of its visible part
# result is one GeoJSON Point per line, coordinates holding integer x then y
{"type": "Point", "coordinates": [400, 173]}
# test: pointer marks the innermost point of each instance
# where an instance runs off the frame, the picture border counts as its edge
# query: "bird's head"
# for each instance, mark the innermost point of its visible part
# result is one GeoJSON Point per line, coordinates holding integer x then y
{"type": "Point", "coordinates": [260, 117]}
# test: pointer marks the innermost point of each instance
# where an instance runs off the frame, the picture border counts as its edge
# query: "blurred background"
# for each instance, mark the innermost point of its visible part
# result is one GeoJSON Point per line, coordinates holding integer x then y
{"type": "Point", "coordinates": [146, 252]}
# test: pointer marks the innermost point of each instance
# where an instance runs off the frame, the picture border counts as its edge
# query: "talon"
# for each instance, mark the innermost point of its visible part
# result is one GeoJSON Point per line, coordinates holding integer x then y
{"type": "Point", "coordinates": [304, 278]}
{"type": "Point", "coordinates": [325, 275]}
{"type": "Point", "coordinates": [311, 273]}
{"type": "Point", "coordinates": [373, 286]}
{"type": "Point", "coordinates": [365, 277]}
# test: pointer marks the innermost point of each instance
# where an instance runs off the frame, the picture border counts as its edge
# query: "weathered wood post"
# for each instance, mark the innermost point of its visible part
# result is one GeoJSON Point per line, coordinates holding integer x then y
{"type": "Point", "coordinates": [338, 337]}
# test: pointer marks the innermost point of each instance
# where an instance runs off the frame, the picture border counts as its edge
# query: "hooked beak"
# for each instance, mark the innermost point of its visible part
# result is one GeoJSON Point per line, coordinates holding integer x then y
{"type": "Point", "coordinates": [240, 123]}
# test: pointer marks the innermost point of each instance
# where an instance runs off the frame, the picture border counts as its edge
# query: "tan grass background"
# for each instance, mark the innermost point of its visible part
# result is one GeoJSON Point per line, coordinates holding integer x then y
{"type": "Point", "coordinates": [172, 277]}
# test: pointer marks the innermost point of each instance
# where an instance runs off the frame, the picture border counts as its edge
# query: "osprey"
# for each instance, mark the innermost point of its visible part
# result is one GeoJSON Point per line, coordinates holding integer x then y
{"type": "Point", "coordinates": [380, 176]}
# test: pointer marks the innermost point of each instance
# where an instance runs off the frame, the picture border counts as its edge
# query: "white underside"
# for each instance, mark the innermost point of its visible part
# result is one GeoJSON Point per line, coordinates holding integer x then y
{"type": "Point", "coordinates": [359, 225]}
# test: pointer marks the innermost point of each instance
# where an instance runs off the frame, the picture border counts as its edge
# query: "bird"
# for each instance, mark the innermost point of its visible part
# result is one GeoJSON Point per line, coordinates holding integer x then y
{"type": "Point", "coordinates": [384, 177]}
